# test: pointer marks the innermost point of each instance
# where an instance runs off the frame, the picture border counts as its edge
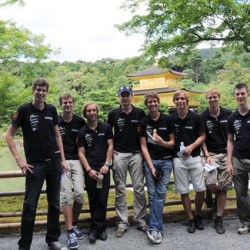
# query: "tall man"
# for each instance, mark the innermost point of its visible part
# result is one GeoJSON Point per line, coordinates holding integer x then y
{"type": "Point", "coordinates": [158, 162]}
{"type": "Point", "coordinates": [44, 161]}
{"type": "Point", "coordinates": [95, 149]}
{"type": "Point", "coordinates": [238, 150]}
{"type": "Point", "coordinates": [189, 133]}
{"type": "Point", "coordinates": [127, 158]}
{"type": "Point", "coordinates": [69, 125]}
{"type": "Point", "coordinates": [214, 148]}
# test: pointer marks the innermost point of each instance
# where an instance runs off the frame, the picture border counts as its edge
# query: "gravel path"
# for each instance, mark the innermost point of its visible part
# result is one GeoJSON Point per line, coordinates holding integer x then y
{"type": "Point", "coordinates": [175, 238]}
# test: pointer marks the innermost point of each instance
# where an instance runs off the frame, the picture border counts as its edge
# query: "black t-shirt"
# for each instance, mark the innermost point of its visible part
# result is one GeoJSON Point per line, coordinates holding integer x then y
{"type": "Point", "coordinates": [38, 127]}
{"type": "Point", "coordinates": [68, 131]}
{"type": "Point", "coordinates": [216, 130]}
{"type": "Point", "coordinates": [95, 143]}
{"type": "Point", "coordinates": [164, 127]}
{"type": "Point", "coordinates": [187, 130]}
{"type": "Point", "coordinates": [239, 126]}
{"type": "Point", "coordinates": [126, 129]}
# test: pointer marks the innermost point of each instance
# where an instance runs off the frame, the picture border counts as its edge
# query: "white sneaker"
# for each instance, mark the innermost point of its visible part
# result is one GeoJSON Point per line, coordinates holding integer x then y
{"type": "Point", "coordinates": [244, 229]}
{"type": "Point", "coordinates": [159, 238]}
{"type": "Point", "coordinates": [154, 236]}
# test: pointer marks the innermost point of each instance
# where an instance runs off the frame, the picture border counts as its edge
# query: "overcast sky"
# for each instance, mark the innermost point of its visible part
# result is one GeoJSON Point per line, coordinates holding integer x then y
{"type": "Point", "coordinates": [83, 29]}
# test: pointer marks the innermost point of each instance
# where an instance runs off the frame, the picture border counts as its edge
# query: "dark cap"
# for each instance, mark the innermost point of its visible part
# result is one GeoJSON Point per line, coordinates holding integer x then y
{"type": "Point", "coordinates": [124, 89]}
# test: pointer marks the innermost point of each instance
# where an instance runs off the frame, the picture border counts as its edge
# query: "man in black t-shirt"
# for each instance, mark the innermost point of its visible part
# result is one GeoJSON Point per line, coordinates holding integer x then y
{"type": "Point", "coordinates": [157, 140]}
{"type": "Point", "coordinates": [127, 159]}
{"type": "Point", "coordinates": [73, 178]}
{"type": "Point", "coordinates": [189, 135]}
{"type": "Point", "coordinates": [214, 148]}
{"type": "Point", "coordinates": [238, 154]}
{"type": "Point", "coordinates": [44, 161]}
{"type": "Point", "coordinates": [95, 149]}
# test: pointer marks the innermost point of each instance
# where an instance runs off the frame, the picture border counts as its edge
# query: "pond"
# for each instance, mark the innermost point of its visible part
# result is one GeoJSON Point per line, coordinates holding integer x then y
{"type": "Point", "coordinates": [7, 163]}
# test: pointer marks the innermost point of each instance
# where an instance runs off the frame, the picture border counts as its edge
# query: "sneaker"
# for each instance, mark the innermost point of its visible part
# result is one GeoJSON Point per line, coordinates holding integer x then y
{"type": "Point", "coordinates": [56, 246]}
{"type": "Point", "coordinates": [198, 222]}
{"type": "Point", "coordinates": [191, 227]}
{"type": "Point", "coordinates": [159, 240]}
{"type": "Point", "coordinates": [154, 236]}
{"type": "Point", "coordinates": [244, 230]}
{"type": "Point", "coordinates": [72, 241]}
{"type": "Point", "coordinates": [78, 233]}
{"type": "Point", "coordinates": [119, 232]}
{"type": "Point", "coordinates": [219, 225]}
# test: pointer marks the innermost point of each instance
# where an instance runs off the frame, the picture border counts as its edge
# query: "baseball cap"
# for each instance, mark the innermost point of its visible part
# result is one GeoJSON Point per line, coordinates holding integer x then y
{"type": "Point", "coordinates": [124, 89]}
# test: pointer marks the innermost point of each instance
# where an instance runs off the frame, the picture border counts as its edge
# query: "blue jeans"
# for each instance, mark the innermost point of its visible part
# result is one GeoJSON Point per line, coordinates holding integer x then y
{"type": "Point", "coordinates": [157, 190]}
{"type": "Point", "coordinates": [51, 172]}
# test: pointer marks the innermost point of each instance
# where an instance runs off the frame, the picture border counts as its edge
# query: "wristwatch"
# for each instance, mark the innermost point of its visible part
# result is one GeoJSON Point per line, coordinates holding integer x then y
{"type": "Point", "coordinates": [108, 164]}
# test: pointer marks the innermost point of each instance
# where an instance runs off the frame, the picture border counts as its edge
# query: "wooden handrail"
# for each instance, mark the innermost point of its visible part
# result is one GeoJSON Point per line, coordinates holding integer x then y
{"type": "Point", "coordinates": [85, 211]}
{"type": "Point", "coordinates": [11, 174]}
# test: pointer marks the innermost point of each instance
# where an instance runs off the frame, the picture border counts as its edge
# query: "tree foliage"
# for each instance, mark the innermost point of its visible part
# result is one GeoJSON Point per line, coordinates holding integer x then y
{"type": "Point", "coordinates": [10, 2]}
{"type": "Point", "coordinates": [20, 44]}
{"type": "Point", "coordinates": [178, 26]}
{"type": "Point", "coordinates": [98, 81]}
{"type": "Point", "coordinates": [23, 54]}
{"type": "Point", "coordinates": [21, 60]}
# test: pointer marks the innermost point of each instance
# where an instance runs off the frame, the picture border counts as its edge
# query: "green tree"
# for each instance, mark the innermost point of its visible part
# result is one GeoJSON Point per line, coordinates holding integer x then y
{"type": "Point", "coordinates": [105, 99]}
{"type": "Point", "coordinates": [178, 26]}
{"type": "Point", "coordinates": [212, 65]}
{"type": "Point", "coordinates": [21, 60]}
{"type": "Point", "coordinates": [20, 44]}
{"type": "Point", "coordinates": [234, 73]}
{"type": "Point", "coordinates": [195, 63]}
{"type": "Point", "coordinates": [10, 2]}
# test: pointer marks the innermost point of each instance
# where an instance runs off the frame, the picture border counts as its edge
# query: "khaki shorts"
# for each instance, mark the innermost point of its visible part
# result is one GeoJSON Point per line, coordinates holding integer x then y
{"type": "Point", "coordinates": [219, 176]}
{"type": "Point", "coordinates": [73, 178]}
{"type": "Point", "coordinates": [184, 172]}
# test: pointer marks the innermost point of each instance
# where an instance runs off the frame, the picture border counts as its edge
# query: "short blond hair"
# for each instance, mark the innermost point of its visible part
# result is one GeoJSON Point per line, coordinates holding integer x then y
{"type": "Point", "coordinates": [213, 91]}
{"type": "Point", "coordinates": [179, 92]}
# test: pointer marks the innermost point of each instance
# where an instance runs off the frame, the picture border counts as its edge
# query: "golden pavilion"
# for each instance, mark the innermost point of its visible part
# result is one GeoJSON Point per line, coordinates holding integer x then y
{"type": "Point", "coordinates": [162, 81]}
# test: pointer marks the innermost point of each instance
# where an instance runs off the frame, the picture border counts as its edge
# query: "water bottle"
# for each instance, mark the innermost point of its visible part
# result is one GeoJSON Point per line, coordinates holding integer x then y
{"type": "Point", "coordinates": [99, 182]}
{"type": "Point", "coordinates": [182, 150]}
{"type": "Point", "coordinates": [182, 147]}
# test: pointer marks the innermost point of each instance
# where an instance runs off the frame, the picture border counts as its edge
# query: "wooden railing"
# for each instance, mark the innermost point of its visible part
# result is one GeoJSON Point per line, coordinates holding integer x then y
{"type": "Point", "coordinates": [176, 214]}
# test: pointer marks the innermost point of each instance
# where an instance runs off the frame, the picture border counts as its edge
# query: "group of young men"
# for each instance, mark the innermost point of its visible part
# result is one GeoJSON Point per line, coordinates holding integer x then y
{"type": "Point", "coordinates": [69, 153]}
